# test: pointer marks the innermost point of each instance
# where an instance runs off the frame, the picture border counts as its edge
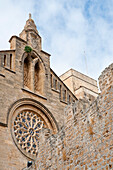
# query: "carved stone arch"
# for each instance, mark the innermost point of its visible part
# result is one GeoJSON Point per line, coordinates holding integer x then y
{"type": "Point", "coordinates": [35, 55]}
{"type": "Point", "coordinates": [39, 76]}
{"type": "Point", "coordinates": [25, 119]}
{"type": "Point", "coordinates": [37, 72]}
{"type": "Point", "coordinates": [41, 60]}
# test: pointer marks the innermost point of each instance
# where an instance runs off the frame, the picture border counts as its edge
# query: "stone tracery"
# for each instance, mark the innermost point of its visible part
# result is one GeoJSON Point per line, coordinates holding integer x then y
{"type": "Point", "coordinates": [27, 126]}
{"type": "Point", "coordinates": [27, 118]}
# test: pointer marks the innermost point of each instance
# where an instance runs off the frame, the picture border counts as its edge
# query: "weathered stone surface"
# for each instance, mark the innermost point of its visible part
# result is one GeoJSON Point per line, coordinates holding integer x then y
{"type": "Point", "coordinates": [33, 123]}
{"type": "Point", "coordinates": [82, 86]}
{"type": "Point", "coordinates": [88, 143]}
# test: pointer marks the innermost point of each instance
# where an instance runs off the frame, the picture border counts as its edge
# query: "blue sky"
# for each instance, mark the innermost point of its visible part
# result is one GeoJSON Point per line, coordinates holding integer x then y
{"type": "Point", "coordinates": [68, 28]}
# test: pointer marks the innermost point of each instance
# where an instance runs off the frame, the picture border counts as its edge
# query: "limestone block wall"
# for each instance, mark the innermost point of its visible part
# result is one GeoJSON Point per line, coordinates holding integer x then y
{"type": "Point", "coordinates": [10, 156]}
{"type": "Point", "coordinates": [82, 86]}
{"type": "Point", "coordinates": [106, 78]}
{"type": "Point", "coordinates": [86, 140]}
{"type": "Point", "coordinates": [74, 79]}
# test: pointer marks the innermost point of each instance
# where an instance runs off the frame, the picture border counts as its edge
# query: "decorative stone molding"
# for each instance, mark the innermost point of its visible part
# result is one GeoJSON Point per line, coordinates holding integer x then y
{"type": "Point", "coordinates": [26, 118]}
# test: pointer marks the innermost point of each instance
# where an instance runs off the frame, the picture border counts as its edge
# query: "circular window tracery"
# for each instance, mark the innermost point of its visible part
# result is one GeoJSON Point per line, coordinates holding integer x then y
{"type": "Point", "coordinates": [26, 129]}
{"type": "Point", "coordinates": [26, 118]}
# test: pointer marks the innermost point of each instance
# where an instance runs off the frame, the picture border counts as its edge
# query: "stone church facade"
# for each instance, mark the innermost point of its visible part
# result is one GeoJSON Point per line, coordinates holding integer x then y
{"type": "Point", "coordinates": [33, 98]}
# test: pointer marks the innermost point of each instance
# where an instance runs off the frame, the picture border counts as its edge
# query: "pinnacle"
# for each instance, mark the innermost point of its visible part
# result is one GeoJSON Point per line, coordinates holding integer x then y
{"type": "Point", "coordinates": [29, 15]}
{"type": "Point", "coordinates": [30, 24]}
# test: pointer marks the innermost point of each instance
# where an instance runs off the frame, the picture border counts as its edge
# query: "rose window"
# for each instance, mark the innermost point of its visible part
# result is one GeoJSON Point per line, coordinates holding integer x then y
{"type": "Point", "coordinates": [26, 129]}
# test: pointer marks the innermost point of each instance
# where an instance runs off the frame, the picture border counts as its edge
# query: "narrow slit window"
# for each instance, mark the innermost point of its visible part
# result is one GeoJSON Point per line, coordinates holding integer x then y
{"type": "Point", "coordinates": [60, 92]}
{"type": "Point", "coordinates": [64, 95]}
{"type": "Point", "coordinates": [51, 81]}
{"type": "Point", "coordinates": [69, 99]}
{"type": "Point", "coordinates": [56, 84]}
{"type": "Point", "coordinates": [10, 61]}
{"type": "Point", "coordinates": [4, 60]}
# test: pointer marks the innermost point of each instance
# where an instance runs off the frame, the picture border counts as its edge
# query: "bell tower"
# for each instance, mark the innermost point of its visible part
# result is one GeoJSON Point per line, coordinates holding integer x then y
{"type": "Point", "coordinates": [30, 34]}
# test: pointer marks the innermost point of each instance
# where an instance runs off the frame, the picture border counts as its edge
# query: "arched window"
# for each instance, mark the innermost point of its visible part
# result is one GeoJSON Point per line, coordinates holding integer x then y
{"type": "Point", "coordinates": [27, 72]}
{"type": "Point", "coordinates": [38, 78]}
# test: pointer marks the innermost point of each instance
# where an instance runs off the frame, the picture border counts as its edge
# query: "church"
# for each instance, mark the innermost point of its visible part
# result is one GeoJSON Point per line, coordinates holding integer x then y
{"type": "Point", "coordinates": [33, 97]}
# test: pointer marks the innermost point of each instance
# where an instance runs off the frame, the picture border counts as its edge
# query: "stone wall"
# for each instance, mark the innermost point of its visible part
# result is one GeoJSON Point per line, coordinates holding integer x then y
{"type": "Point", "coordinates": [86, 139]}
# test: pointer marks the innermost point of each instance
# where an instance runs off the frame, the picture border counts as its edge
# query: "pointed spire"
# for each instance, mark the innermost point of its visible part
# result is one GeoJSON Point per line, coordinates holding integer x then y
{"type": "Point", "coordinates": [30, 24]}
{"type": "Point", "coordinates": [29, 27]}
